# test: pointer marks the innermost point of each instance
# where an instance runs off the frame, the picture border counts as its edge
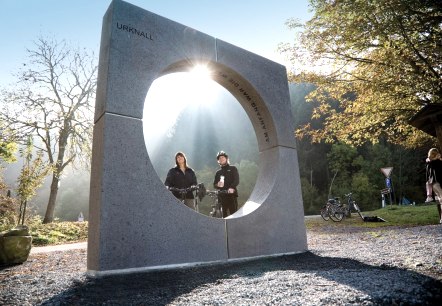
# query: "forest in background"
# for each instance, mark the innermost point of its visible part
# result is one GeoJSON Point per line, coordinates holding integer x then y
{"type": "Point", "coordinates": [201, 134]}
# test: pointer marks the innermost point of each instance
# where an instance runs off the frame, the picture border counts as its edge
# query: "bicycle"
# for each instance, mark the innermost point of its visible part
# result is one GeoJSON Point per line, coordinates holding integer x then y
{"type": "Point", "coordinates": [346, 209]}
{"type": "Point", "coordinates": [200, 193]}
{"type": "Point", "coordinates": [217, 209]}
{"type": "Point", "coordinates": [329, 210]}
{"type": "Point", "coordinates": [336, 211]}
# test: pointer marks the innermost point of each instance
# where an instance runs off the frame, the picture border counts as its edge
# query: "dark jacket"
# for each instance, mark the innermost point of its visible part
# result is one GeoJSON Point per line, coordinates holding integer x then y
{"type": "Point", "coordinates": [176, 178]}
{"type": "Point", "coordinates": [231, 178]}
{"type": "Point", "coordinates": [434, 171]}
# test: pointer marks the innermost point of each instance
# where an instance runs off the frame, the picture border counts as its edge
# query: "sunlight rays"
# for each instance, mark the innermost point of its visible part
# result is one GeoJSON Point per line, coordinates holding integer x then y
{"type": "Point", "coordinates": [167, 99]}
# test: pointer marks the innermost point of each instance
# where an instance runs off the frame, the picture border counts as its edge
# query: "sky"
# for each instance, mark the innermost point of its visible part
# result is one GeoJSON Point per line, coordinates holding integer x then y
{"type": "Point", "coordinates": [255, 25]}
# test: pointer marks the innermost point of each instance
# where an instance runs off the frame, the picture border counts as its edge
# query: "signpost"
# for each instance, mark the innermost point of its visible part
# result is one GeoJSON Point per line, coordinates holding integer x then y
{"type": "Point", "coordinates": [387, 172]}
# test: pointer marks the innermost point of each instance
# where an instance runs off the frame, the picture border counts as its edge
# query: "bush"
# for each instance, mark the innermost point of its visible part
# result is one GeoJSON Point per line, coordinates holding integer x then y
{"type": "Point", "coordinates": [56, 232]}
{"type": "Point", "coordinates": [8, 211]}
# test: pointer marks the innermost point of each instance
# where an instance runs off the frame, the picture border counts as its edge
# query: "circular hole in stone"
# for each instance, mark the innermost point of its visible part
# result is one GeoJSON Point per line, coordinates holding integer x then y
{"type": "Point", "coordinates": [194, 114]}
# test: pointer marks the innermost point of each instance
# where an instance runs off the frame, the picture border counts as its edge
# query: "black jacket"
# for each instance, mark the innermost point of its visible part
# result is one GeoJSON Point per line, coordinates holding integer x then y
{"type": "Point", "coordinates": [434, 171]}
{"type": "Point", "coordinates": [231, 178]}
{"type": "Point", "coordinates": [176, 178]}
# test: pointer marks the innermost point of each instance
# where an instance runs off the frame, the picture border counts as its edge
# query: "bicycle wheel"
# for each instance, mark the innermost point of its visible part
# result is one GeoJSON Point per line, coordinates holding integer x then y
{"type": "Point", "coordinates": [218, 213]}
{"type": "Point", "coordinates": [336, 214]}
{"type": "Point", "coordinates": [324, 213]}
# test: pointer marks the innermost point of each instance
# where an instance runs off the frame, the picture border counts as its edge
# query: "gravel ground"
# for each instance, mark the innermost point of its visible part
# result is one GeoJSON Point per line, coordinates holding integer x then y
{"type": "Point", "coordinates": [345, 266]}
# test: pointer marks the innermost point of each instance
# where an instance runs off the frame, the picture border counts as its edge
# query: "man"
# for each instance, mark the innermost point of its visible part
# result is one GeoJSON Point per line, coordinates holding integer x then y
{"type": "Point", "coordinates": [227, 178]}
{"type": "Point", "coordinates": [434, 176]}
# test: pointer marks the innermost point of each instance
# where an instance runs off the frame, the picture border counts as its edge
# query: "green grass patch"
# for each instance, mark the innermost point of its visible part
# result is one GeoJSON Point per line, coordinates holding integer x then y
{"type": "Point", "coordinates": [394, 215]}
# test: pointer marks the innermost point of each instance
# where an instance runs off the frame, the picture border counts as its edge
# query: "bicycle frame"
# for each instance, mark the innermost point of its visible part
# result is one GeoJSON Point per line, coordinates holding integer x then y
{"type": "Point", "coordinates": [331, 210]}
{"type": "Point", "coordinates": [217, 209]}
{"type": "Point", "coordinates": [335, 211]}
{"type": "Point", "coordinates": [351, 204]}
{"type": "Point", "coordinates": [184, 191]}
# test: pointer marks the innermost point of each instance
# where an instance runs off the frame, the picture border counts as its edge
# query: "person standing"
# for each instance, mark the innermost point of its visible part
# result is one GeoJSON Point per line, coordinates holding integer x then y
{"type": "Point", "coordinates": [227, 178]}
{"type": "Point", "coordinates": [429, 190]}
{"type": "Point", "coordinates": [428, 186]}
{"type": "Point", "coordinates": [182, 176]}
{"type": "Point", "coordinates": [434, 176]}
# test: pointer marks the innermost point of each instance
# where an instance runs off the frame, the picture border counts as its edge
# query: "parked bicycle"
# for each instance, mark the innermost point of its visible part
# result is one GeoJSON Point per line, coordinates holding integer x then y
{"type": "Point", "coordinates": [217, 209]}
{"type": "Point", "coordinates": [200, 192]}
{"type": "Point", "coordinates": [336, 211]}
{"type": "Point", "coordinates": [329, 210]}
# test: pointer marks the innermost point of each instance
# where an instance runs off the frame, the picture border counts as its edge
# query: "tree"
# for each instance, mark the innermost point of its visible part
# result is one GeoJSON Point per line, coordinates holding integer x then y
{"type": "Point", "coordinates": [375, 64]}
{"type": "Point", "coordinates": [311, 197]}
{"type": "Point", "coordinates": [31, 177]}
{"type": "Point", "coordinates": [53, 103]}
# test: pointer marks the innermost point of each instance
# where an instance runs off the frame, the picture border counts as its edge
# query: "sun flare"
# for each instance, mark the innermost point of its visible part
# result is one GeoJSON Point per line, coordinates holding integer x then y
{"type": "Point", "coordinates": [170, 95]}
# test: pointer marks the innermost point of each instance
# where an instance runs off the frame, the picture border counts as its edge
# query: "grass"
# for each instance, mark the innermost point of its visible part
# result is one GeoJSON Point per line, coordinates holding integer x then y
{"type": "Point", "coordinates": [68, 232]}
{"type": "Point", "coordinates": [394, 215]}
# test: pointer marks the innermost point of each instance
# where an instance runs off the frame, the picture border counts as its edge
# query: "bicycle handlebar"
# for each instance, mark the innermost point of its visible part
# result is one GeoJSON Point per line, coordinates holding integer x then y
{"type": "Point", "coordinates": [200, 190]}
{"type": "Point", "coordinates": [183, 190]}
{"type": "Point", "coordinates": [216, 192]}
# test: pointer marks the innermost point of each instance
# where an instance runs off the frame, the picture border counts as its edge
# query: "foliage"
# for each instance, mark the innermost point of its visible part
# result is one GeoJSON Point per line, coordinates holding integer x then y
{"type": "Point", "coordinates": [358, 167]}
{"type": "Point", "coordinates": [31, 177]}
{"type": "Point", "coordinates": [53, 101]}
{"type": "Point", "coordinates": [8, 207]}
{"type": "Point", "coordinates": [56, 232]}
{"type": "Point", "coordinates": [346, 162]}
{"type": "Point", "coordinates": [375, 63]}
{"type": "Point", "coordinates": [311, 197]}
{"type": "Point", "coordinates": [7, 150]}
{"type": "Point", "coordinates": [359, 172]}
{"type": "Point", "coordinates": [8, 145]}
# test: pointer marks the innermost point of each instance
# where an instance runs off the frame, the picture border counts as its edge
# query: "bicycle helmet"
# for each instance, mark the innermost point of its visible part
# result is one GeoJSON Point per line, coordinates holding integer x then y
{"type": "Point", "coordinates": [221, 153]}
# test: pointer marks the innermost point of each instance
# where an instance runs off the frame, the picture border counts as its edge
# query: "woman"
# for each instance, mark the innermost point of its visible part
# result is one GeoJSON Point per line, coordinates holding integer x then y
{"type": "Point", "coordinates": [434, 176]}
{"type": "Point", "coordinates": [182, 176]}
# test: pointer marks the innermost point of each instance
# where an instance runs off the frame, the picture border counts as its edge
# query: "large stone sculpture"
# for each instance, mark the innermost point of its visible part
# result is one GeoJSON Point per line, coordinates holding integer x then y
{"type": "Point", "coordinates": [134, 222]}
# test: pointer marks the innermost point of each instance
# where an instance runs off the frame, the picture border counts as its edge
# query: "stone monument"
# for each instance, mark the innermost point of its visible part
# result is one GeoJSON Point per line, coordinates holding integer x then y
{"type": "Point", "coordinates": [135, 223]}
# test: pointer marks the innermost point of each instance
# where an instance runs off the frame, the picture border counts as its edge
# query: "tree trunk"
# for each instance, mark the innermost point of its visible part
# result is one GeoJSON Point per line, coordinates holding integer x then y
{"type": "Point", "coordinates": [49, 216]}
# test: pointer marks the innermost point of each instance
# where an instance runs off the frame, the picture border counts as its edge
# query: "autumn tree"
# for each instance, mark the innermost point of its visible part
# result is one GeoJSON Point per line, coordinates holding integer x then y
{"type": "Point", "coordinates": [7, 154]}
{"type": "Point", "coordinates": [375, 64]}
{"type": "Point", "coordinates": [31, 177]}
{"type": "Point", "coordinates": [53, 102]}
{"type": "Point", "coordinates": [8, 146]}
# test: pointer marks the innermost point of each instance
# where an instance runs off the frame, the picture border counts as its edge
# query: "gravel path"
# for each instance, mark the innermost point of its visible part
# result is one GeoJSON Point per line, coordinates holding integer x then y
{"type": "Point", "coordinates": [345, 266]}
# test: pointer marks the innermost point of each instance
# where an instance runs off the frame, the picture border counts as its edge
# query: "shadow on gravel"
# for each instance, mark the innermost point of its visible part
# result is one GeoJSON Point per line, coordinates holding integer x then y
{"type": "Point", "coordinates": [381, 284]}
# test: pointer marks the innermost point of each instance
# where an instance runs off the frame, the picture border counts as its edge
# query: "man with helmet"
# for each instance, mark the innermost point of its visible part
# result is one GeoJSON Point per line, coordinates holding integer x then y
{"type": "Point", "coordinates": [227, 178]}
